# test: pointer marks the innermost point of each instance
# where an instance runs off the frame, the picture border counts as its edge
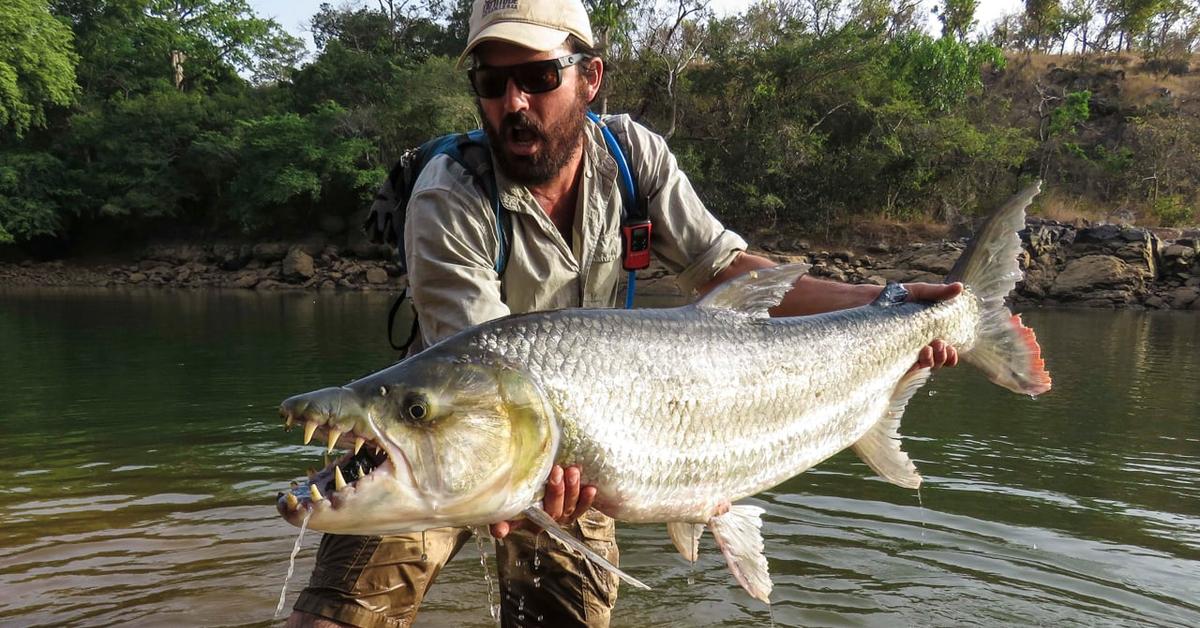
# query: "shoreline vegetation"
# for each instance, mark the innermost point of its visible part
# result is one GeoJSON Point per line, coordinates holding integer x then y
{"type": "Point", "coordinates": [146, 144]}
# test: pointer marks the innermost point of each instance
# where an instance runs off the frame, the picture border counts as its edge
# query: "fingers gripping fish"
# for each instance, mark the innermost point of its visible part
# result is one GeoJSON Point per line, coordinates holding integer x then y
{"type": "Point", "coordinates": [673, 414]}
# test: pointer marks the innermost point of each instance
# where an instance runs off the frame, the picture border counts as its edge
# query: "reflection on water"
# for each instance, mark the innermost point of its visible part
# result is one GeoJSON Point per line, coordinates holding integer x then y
{"type": "Point", "coordinates": [144, 455]}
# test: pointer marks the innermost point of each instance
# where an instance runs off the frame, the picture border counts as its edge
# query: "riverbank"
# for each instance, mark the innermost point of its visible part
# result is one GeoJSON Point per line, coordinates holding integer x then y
{"type": "Point", "coordinates": [1066, 265]}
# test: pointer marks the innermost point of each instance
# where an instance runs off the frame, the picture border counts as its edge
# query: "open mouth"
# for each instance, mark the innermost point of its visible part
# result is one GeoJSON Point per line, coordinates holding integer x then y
{"type": "Point", "coordinates": [365, 460]}
{"type": "Point", "coordinates": [523, 135]}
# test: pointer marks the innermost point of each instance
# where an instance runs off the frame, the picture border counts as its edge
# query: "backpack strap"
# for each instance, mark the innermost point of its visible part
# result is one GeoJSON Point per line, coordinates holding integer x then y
{"type": "Point", "coordinates": [636, 228]}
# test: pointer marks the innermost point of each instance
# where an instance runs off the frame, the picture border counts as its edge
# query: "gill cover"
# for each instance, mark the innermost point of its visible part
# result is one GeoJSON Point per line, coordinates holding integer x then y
{"type": "Point", "coordinates": [478, 439]}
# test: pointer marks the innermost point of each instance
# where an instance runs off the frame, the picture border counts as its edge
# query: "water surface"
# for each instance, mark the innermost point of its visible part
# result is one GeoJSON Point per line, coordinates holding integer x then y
{"type": "Point", "coordinates": [144, 453]}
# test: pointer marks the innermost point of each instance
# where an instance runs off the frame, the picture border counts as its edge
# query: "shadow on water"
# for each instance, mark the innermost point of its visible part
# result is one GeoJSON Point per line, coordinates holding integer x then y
{"type": "Point", "coordinates": [144, 453]}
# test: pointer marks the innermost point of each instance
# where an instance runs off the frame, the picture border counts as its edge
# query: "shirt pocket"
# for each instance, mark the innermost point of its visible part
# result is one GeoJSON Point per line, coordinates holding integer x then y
{"type": "Point", "coordinates": [604, 273]}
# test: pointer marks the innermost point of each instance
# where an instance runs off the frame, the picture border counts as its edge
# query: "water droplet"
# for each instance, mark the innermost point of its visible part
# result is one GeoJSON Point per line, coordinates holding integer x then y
{"type": "Point", "coordinates": [932, 393]}
{"type": "Point", "coordinates": [539, 618]}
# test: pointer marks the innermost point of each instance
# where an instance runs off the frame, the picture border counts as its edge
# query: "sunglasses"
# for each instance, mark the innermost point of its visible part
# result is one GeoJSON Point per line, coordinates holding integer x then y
{"type": "Point", "coordinates": [532, 78]}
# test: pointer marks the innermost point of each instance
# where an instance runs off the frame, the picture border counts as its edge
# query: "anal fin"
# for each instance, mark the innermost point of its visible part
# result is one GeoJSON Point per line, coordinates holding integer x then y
{"type": "Point", "coordinates": [880, 446]}
{"type": "Point", "coordinates": [539, 516]}
{"type": "Point", "coordinates": [739, 535]}
{"type": "Point", "coordinates": [686, 537]}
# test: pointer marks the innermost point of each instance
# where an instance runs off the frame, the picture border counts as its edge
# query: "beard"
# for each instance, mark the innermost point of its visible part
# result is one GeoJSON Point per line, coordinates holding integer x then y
{"type": "Point", "coordinates": [557, 138]}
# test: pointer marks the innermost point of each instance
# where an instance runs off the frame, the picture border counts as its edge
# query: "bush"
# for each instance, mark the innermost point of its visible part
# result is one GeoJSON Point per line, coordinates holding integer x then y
{"type": "Point", "coordinates": [1173, 211]}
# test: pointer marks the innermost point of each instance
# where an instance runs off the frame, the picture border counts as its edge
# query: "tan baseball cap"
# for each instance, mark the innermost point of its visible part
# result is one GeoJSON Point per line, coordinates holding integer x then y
{"type": "Point", "coordinates": [535, 24]}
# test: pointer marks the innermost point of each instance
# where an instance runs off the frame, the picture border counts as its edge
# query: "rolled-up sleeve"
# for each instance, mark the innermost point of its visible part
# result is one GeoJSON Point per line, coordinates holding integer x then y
{"type": "Point", "coordinates": [450, 244]}
{"type": "Point", "coordinates": [688, 239]}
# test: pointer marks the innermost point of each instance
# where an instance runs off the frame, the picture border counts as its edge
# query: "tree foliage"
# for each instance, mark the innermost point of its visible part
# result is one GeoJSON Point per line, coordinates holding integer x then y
{"type": "Point", "coordinates": [37, 65]}
{"type": "Point", "coordinates": [143, 117]}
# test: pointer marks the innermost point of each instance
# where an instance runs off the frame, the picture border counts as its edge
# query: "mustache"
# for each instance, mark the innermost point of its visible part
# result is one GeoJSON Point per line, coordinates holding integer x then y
{"type": "Point", "coordinates": [520, 121]}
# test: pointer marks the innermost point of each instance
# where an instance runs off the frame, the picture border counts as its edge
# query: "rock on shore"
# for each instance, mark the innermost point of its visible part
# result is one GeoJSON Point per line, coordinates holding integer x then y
{"type": "Point", "coordinates": [1104, 266]}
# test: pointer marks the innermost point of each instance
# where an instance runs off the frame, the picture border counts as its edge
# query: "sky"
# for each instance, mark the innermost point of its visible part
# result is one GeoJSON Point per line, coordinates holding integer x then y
{"type": "Point", "coordinates": [293, 15]}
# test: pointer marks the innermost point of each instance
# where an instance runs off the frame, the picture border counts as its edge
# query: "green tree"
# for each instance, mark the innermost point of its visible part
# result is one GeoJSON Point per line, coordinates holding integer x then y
{"type": "Point", "coordinates": [37, 64]}
{"type": "Point", "coordinates": [957, 17]}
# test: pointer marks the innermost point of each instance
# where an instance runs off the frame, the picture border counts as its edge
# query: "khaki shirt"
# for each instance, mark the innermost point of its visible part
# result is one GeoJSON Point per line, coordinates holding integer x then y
{"type": "Point", "coordinates": [450, 237]}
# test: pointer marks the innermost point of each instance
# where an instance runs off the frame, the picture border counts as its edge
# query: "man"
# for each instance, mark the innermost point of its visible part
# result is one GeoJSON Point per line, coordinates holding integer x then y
{"type": "Point", "coordinates": [535, 72]}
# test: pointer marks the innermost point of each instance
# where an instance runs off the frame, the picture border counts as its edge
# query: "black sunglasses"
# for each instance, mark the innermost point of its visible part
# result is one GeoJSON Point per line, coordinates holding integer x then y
{"type": "Point", "coordinates": [535, 77]}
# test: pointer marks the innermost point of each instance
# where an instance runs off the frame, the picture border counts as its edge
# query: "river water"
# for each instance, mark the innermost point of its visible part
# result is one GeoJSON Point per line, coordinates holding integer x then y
{"type": "Point", "coordinates": [144, 453]}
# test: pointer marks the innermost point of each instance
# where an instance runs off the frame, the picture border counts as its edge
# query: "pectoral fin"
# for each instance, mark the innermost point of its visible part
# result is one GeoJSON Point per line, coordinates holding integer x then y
{"type": "Point", "coordinates": [539, 516]}
{"type": "Point", "coordinates": [739, 535]}
{"type": "Point", "coordinates": [880, 447]}
{"type": "Point", "coordinates": [686, 537]}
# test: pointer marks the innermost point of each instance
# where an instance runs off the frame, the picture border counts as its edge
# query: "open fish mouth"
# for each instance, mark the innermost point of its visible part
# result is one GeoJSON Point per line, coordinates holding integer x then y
{"type": "Point", "coordinates": [367, 459]}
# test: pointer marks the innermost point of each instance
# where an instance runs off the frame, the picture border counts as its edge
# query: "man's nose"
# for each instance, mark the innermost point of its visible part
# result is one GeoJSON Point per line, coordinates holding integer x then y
{"type": "Point", "coordinates": [514, 98]}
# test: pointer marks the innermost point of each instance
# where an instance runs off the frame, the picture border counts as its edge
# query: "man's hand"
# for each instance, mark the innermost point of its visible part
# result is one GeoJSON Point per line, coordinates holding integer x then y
{"type": "Point", "coordinates": [564, 500]}
{"type": "Point", "coordinates": [938, 353]}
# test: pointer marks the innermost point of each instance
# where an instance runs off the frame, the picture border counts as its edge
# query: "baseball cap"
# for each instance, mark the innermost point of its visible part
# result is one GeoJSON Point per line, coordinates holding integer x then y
{"type": "Point", "coordinates": [535, 24]}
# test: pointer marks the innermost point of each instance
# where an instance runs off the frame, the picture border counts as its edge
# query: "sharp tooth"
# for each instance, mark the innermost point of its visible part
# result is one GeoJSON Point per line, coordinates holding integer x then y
{"type": "Point", "coordinates": [339, 482]}
{"type": "Point", "coordinates": [316, 493]}
{"type": "Point", "coordinates": [287, 424]}
{"type": "Point", "coordinates": [292, 502]}
{"type": "Point", "coordinates": [334, 435]}
{"type": "Point", "coordinates": [361, 473]}
{"type": "Point", "coordinates": [358, 443]}
{"type": "Point", "coordinates": [309, 428]}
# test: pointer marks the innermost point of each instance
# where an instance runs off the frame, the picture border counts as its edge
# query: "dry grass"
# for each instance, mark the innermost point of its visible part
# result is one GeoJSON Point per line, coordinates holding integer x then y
{"type": "Point", "coordinates": [1054, 205]}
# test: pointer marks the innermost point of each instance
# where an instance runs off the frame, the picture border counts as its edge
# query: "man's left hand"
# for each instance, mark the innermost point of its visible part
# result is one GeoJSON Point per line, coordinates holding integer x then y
{"type": "Point", "coordinates": [938, 353]}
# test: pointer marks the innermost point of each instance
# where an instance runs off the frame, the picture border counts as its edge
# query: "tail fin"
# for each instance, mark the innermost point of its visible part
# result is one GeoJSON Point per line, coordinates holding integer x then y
{"type": "Point", "coordinates": [1006, 350]}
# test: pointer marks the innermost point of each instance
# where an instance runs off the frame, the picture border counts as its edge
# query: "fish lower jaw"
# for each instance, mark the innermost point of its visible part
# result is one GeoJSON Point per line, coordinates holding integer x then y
{"type": "Point", "coordinates": [309, 497]}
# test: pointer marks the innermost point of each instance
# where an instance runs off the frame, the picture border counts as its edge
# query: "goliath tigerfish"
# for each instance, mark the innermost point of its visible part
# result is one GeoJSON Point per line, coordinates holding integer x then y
{"type": "Point", "coordinates": [673, 414]}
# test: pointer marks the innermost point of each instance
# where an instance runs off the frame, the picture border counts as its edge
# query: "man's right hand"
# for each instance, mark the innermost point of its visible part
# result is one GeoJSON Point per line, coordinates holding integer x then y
{"type": "Point", "coordinates": [564, 500]}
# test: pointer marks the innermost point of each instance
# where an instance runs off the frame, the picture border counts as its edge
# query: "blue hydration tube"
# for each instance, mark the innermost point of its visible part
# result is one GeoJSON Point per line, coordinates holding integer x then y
{"type": "Point", "coordinates": [628, 193]}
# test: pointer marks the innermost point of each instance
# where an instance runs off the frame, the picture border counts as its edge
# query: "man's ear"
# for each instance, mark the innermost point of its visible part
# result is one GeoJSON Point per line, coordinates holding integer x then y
{"type": "Point", "coordinates": [594, 77]}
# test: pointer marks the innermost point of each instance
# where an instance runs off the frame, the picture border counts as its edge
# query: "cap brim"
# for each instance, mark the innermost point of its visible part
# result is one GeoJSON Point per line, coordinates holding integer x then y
{"type": "Point", "coordinates": [532, 36]}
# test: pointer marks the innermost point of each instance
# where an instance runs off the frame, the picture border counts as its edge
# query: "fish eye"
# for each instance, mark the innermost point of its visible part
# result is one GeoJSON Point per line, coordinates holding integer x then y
{"type": "Point", "coordinates": [416, 406]}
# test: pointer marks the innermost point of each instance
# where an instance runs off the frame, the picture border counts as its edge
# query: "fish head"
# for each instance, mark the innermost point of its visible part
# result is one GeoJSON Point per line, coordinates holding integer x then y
{"type": "Point", "coordinates": [436, 441]}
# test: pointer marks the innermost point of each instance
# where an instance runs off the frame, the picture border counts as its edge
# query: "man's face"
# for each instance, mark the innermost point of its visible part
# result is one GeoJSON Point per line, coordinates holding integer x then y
{"type": "Point", "coordinates": [534, 136]}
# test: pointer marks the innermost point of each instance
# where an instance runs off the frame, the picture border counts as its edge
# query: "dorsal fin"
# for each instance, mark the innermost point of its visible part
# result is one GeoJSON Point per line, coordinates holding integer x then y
{"type": "Point", "coordinates": [755, 292]}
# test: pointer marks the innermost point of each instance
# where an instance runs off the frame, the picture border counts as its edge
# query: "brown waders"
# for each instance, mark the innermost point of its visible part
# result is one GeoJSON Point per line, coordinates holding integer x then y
{"type": "Point", "coordinates": [371, 581]}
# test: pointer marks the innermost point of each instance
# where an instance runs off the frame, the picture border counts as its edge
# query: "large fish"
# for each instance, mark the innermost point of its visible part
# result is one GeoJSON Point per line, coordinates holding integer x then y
{"type": "Point", "coordinates": [673, 414]}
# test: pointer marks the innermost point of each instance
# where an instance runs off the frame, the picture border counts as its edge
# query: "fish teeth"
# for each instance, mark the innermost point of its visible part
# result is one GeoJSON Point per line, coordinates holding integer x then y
{"type": "Point", "coordinates": [358, 443]}
{"type": "Point", "coordinates": [361, 472]}
{"type": "Point", "coordinates": [292, 502]}
{"type": "Point", "coordinates": [315, 493]}
{"type": "Point", "coordinates": [288, 423]}
{"type": "Point", "coordinates": [334, 435]}
{"type": "Point", "coordinates": [339, 482]}
{"type": "Point", "coordinates": [309, 428]}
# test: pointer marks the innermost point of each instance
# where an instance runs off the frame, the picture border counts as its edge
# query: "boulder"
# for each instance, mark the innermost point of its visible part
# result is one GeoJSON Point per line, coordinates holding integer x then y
{"type": "Point", "coordinates": [1182, 298]}
{"type": "Point", "coordinates": [376, 275]}
{"type": "Point", "coordinates": [268, 252]}
{"type": "Point", "coordinates": [298, 266]}
{"type": "Point", "coordinates": [246, 279]}
{"type": "Point", "coordinates": [1083, 277]}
